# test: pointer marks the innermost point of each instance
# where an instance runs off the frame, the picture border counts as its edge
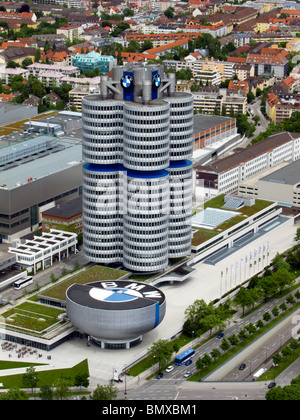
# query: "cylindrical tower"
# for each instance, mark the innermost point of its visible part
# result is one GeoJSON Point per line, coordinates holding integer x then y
{"type": "Point", "coordinates": [145, 233]}
{"type": "Point", "coordinates": [137, 180]}
{"type": "Point", "coordinates": [102, 130]}
{"type": "Point", "coordinates": [181, 188]}
{"type": "Point", "coordinates": [146, 136]}
{"type": "Point", "coordinates": [102, 216]}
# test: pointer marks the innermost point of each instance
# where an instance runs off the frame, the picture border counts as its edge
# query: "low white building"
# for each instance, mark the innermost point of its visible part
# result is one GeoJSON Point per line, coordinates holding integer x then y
{"type": "Point", "coordinates": [42, 251]}
{"type": "Point", "coordinates": [223, 176]}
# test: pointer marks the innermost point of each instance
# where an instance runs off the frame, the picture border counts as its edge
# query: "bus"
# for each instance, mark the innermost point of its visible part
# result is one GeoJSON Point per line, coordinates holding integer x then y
{"type": "Point", "coordinates": [179, 360]}
{"type": "Point", "coordinates": [19, 284]}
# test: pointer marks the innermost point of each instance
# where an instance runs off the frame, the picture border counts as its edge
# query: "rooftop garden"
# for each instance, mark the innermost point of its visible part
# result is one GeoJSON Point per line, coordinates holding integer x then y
{"type": "Point", "coordinates": [202, 235]}
{"type": "Point", "coordinates": [95, 273]}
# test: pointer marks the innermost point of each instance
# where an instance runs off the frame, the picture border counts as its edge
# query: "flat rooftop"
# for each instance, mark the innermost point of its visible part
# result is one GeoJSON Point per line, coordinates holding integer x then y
{"type": "Point", "coordinates": [243, 155]}
{"type": "Point", "coordinates": [206, 122]}
{"type": "Point", "coordinates": [67, 209]}
{"type": "Point", "coordinates": [42, 166]}
{"type": "Point", "coordinates": [288, 175]}
{"type": "Point", "coordinates": [254, 179]}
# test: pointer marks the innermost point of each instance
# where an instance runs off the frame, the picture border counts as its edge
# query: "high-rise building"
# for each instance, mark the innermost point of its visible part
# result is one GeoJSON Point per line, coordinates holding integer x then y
{"type": "Point", "coordinates": [137, 176]}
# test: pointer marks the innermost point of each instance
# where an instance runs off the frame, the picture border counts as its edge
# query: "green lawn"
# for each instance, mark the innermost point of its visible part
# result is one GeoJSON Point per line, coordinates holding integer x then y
{"type": "Point", "coordinates": [7, 364]}
{"type": "Point", "coordinates": [95, 273]}
{"type": "Point", "coordinates": [32, 316]}
{"type": "Point", "coordinates": [47, 377]}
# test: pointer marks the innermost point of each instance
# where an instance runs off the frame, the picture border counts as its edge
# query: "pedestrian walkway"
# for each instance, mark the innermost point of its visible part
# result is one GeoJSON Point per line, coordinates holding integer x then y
{"type": "Point", "coordinates": [205, 283]}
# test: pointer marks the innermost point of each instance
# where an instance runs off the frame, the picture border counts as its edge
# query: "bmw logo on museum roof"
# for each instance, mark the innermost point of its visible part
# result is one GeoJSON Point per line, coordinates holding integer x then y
{"type": "Point", "coordinates": [115, 310]}
{"type": "Point", "coordinates": [127, 81]}
{"type": "Point", "coordinates": [156, 81]}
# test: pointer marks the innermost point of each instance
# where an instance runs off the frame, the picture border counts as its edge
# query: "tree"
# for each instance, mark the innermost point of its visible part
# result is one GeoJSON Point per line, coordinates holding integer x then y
{"type": "Point", "coordinates": [283, 278]}
{"type": "Point", "coordinates": [215, 353]}
{"type": "Point", "coordinates": [243, 298]}
{"type": "Point", "coordinates": [14, 394]}
{"type": "Point", "coordinates": [146, 45]}
{"type": "Point", "coordinates": [82, 379]}
{"type": "Point", "coordinates": [62, 388]}
{"type": "Point", "coordinates": [161, 351]}
{"type": "Point", "coordinates": [46, 393]}
{"type": "Point", "coordinates": [37, 55]}
{"type": "Point", "coordinates": [211, 321]}
{"type": "Point", "coordinates": [30, 378]}
{"type": "Point", "coordinates": [105, 392]}
{"type": "Point", "coordinates": [297, 236]}
{"type": "Point", "coordinates": [169, 13]}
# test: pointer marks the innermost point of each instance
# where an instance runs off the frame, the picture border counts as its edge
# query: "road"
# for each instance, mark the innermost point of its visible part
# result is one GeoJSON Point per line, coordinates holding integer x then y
{"type": "Point", "coordinates": [263, 123]}
{"type": "Point", "coordinates": [43, 277]}
{"type": "Point", "coordinates": [173, 385]}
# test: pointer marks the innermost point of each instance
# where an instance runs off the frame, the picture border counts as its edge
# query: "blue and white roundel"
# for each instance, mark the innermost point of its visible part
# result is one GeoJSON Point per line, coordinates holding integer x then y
{"type": "Point", "coordinates": [115, 295]}
{"type": "Point", "coordinates": [127, 82]}
{"type": "Point", "coordinates": [156, 81]}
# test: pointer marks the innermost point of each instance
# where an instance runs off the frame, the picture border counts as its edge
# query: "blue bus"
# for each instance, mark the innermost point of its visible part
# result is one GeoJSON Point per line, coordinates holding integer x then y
{"type": "Point", "coordinates": [179, 360]}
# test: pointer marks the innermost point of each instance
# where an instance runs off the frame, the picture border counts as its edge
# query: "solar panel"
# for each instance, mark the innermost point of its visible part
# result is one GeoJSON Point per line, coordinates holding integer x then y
{"type": "Point", "coordinates": [233, 203]}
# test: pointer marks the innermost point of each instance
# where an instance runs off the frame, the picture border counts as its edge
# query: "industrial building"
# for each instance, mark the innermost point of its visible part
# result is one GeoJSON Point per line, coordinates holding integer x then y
{"type": "Point", "coordinates": [224, 175]}
{"type": "Point", "coordinates": [281, 185]}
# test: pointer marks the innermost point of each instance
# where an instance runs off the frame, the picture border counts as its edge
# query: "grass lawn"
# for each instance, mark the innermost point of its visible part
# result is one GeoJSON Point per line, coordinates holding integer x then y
{"type": "Point", "coordinates": [5, 364]}
{"type": "Point", "coordinates": [32, 316]}
{"type": "Point", "coordinates": [95, 273]}
{"type": "Point", "coordinates": [47, 377]}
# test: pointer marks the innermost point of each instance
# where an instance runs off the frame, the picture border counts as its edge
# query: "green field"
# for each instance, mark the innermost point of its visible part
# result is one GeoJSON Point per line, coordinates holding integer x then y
{"type": "Point", "coordinates": [95, 273]}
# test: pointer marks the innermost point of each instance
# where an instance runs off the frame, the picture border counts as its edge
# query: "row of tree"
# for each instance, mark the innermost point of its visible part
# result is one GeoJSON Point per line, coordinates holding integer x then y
{"type": "Point", "coordinates": [233, 340]}
{"type": "Point", "coordinates": [60, 390]}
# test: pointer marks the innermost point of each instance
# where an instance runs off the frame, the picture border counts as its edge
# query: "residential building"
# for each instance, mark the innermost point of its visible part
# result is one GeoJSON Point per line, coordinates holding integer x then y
{"type": "Point", "coordinates": [276, 65]}
{"type": "Point", "coordinates": [79, 92]}
{"type": "Point", "coordinates": [158, 39]}
{"type": "Point", "coordinates": [215, 103]}
{"type": "Point", "coordinates": [71, 32]}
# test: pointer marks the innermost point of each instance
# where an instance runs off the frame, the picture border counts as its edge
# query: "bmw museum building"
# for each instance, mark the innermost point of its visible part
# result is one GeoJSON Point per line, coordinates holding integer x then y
{"type": "Point", "coordinates": [115, 314]}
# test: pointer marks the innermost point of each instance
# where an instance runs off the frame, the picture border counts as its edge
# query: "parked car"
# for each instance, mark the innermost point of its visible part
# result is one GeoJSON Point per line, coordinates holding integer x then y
{"type": "Point", "coordinates": [169, 368]}
{"type": "Point", "coordinates": [188, 362]}
{"type": "Point", "coordinates": [159, 375]}
{"type": "Point", "coordinates": [187, 374]}
{"type": "Point", "coordinates": [242, 367]}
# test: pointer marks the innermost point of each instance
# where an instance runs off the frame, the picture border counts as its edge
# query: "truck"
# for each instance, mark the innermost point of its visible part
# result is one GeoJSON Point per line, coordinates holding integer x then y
{"type": "Point", "coordinates": [259, 373]}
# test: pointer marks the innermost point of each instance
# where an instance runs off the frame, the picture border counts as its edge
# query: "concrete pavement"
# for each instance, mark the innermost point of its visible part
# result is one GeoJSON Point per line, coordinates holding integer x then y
{"type": "Point", "coordinates": [205, 284]}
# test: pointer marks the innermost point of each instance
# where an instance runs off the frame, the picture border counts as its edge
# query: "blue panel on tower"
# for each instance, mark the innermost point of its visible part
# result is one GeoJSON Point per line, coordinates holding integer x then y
{"type": "Point", "coordinates": [127, 84]}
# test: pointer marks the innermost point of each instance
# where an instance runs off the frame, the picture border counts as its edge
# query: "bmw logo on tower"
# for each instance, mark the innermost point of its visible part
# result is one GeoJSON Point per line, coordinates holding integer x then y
{"type": "Point", "coordinates": [156, 81]}
{"type": "Point", "coordinates": [127, 81]}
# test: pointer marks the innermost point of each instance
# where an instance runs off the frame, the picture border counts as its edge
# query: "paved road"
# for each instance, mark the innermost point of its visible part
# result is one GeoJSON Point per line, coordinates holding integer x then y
{"type": "Point", "coordinates": [263, 123]}
{"type": "Point", "coordinates": [173, 385]}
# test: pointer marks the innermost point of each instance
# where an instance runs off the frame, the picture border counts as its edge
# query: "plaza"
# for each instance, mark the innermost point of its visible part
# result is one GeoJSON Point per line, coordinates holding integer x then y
{"type": "Point", "coordinates": [205, 283]}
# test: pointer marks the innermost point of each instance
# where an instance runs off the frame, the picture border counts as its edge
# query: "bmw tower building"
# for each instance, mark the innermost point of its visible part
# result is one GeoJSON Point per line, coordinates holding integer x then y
{"type": "Point", "coordinates": [137, 176]}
